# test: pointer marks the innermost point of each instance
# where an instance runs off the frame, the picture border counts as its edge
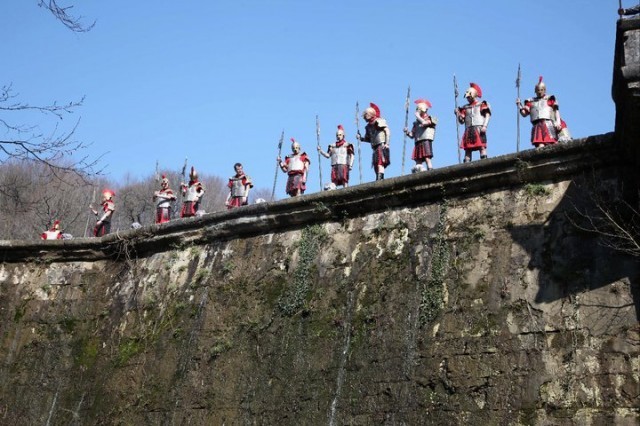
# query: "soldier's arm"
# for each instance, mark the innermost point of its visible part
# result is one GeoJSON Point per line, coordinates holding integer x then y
{"type": "Point", "coordinates": [321, 152]}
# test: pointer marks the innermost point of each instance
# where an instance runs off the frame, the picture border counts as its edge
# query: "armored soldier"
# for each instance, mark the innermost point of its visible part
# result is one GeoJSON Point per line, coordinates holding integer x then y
{"type": "Point", "coordinates": [377, 133]}
{"type": "Point", "coordinates": [191, 194]}
{"type": "Point", "coordinates": [475, 115]}
{"type": "Point", "coordinates": [296, 166]}
{"type": "Point", "coordinates": [103, 224]}
{"type": "Point", "coordinates": [341, 154]}
{"type": "Point", "coordinates": [239, 187]}
{"type": "Point", "coordinates": [163, 199]}
{"type": "Point", "coordinates": [545, 116]}
{"type": "Point", "coordinates": [54, 233]}
{"type": "Point", "coordinates": [423, 132]}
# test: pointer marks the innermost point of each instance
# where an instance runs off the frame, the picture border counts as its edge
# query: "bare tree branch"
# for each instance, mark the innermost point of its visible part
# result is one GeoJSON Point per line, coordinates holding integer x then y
{"type": "Point", "coordinates": [27, 143]}
{"type": "Point", "coordinates": [63, 15]}
{"type": "Point", "coordinates": [616, 222]}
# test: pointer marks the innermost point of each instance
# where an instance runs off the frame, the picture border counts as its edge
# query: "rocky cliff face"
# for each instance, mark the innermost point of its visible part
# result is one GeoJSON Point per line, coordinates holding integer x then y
{"type": "Point", "coordinates": [476, 293]}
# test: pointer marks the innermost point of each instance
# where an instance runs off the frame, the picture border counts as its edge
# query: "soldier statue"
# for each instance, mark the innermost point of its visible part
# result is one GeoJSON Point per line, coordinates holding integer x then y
{"type": "Point", "coordinates": [423, 132]}
{"type": "Point", "coordinates": [54, 233]}
{"type": "Point", "coordinates": [545, 116]}
{"type": "Point", "coordinates": [475, 115]}
{"type": "Point", "coordinates": [377, 133]}
{"type": "Point", "coordinates": [342, 154]}
{"type": "Point", "coordinates": [296, 166]}
{"type": "Point", "coordinates": [103, 224]}
{"type": "Point", "coordinates": [239, 186]}
{"type": "Point", "coordinates": [191, 194]}
{"type": "Point", "coordinates": [163, 199]}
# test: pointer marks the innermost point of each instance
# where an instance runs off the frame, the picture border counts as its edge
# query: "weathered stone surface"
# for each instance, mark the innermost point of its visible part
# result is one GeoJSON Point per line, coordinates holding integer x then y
{"type": "Point", "coordinates": [464, 296]}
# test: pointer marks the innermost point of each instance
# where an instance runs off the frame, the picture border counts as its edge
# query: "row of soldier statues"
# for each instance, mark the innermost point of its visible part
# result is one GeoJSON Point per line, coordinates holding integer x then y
{"type": "Point", "coordinates": [543, 110]}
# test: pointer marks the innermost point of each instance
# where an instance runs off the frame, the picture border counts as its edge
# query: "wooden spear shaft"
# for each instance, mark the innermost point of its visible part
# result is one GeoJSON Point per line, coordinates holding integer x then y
{"type": "Point", "coordinates": [358, 129]}
{"type": "Point", "coordinates": [455, 94]}
{"type": "Point", "coordinates": [406, 123]}
{"type": "Point", "coordinates": [518, 112]}
{"type": "Point", "coordinates": [275, 178]}
{"type": "Point", "coordinates": [318, 140]}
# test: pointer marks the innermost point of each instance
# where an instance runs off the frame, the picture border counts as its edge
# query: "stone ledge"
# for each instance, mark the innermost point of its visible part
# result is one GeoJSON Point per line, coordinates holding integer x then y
{"type": "Point", "coordinates": [461, 180]}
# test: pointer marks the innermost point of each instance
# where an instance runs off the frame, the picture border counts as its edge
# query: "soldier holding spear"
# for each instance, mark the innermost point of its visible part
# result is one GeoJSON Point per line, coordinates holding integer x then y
{"type": "Point", "coordinates": [341, 154]}
{"type": "Point", "coordinates": [296, 165]}
{"type": "Point", "coordinates": [423, 131]}
{"type": "Point", "coordinates": [377, 133]}
{"type": "Point", "coordinates": [475, 115]}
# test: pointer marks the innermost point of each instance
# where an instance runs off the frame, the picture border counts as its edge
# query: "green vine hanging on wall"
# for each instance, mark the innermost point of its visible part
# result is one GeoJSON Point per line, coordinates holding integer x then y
{"type": "Point", "coordinates": [294, 298]}
{"type": "Point", "coordinates": [432, 292]}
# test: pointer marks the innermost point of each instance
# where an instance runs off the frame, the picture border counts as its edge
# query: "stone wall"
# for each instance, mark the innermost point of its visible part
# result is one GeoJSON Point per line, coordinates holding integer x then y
{"type": "Point", "coordinates": [479, 293]}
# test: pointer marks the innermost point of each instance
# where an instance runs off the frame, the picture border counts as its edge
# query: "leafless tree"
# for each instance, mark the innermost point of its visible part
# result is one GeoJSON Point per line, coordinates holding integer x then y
{"type": "Point", "coordinates": [53, 146]}
{"type": "Point", "coordinates": [63, 14]}
{"type": "Point", "coordinates": [617, 223]}
{"type": "Point", "coordinates": [30, 201]}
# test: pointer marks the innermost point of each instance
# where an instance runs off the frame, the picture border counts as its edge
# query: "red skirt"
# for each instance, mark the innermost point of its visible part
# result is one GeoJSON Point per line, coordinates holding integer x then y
{"type": "Point", "coordinates": [236, 202]}
{"type": "Point", "coordinates": [543, 132]}
{"type": "Point", "coordinates": [189, 209]}
{"type": "Point", "coordinates": [102, 229]}
{"type": "Point", "coordinates": [294, 183]}
{"type": "Point", "coordinates": [422, 150]}
{"type": "Point", "coordinates": [381, 157]}
{"type": "Point", "coordinates": [163, 214]}
{"type": "Point", "coordinates": [473, 140]}
{"type": "Point", "coordinates": [340, 174]}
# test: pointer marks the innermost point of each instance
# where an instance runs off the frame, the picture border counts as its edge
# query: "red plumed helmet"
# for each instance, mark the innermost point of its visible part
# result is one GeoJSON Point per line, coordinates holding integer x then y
{"type": "Point", "coordinates": [478, 89]}
{"type": "Point", "coordinates": [108, 194]}
{"type": "Point", "coordinates": [423, 101]}
{"type": "Point", "coordinates": [375, 108]}
{"type": "Point", "coordinates": [193, 175]}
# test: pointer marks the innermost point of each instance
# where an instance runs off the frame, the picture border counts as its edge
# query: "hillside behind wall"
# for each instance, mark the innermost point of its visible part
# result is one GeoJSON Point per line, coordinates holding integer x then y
{"type": "Point", "coordinates": [459, 296]}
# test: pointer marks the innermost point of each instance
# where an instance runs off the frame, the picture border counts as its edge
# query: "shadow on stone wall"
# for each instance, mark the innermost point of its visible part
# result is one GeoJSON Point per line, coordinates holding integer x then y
{"type": "Point", "coordinates": [573, 250]}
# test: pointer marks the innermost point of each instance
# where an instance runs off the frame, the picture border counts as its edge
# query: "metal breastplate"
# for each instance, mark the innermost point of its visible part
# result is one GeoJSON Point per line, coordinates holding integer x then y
{"type": "Point", "coordinates": [192, 193]}
{"type": "Point", "coordinates": [295, 163]}
{"type": "Point", "coordinates": [339, 155]}
{"type": "Point", "coordinates": [376, 133]}
{"type": "Point", "coordinates": [540, 109]}
{"type": "Point", "coordinates": [238, 189]}
{"type": "Point", "coordinates": [472, 115]}
{"type": "Point", "coordinates": [51, 235]}
{"type": "Point", "coordinates": [421, 133]}
{"type": "Point", "coordinates": [163, 202]}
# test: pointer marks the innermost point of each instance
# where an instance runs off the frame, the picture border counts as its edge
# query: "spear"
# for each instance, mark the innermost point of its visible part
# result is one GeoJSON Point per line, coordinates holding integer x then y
{"type": "Point", "coordinates": [456, 93]}
{"type": "Point", "coordinates": [619, 9]}
{"type": "Point", "coordinates": [406, 123]}
{"type": "Point", "coordinates": [517, 111]}
{"type": "Point", "coordinates": [318, 140]}
{"type": "Point", "coordinates": [358, 128]}
{"type": "Point", "coordinates": [184, 171]}
{"type": "Point", "coordinates": [275, 179]}
{"type": "Point", "coordinates": [86, 227]}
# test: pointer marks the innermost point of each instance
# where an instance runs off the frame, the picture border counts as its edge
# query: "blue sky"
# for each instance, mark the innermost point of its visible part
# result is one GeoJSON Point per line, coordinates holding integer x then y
{"type": "Point", "coordinates": [217, 81]}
